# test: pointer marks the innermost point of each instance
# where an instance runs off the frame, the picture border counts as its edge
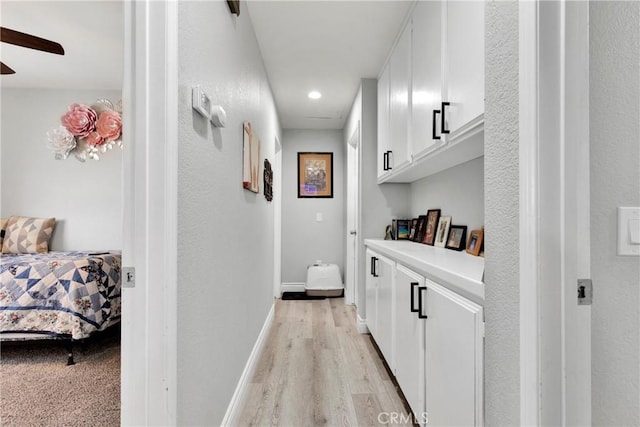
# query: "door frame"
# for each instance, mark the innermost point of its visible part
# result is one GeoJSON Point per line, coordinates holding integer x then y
{"type": "Point", "coordinates": [353, 174]}
{"type": "Point", "coordinates": [555, 361]}
{"type": "Point", "coordinates": [150, 183]}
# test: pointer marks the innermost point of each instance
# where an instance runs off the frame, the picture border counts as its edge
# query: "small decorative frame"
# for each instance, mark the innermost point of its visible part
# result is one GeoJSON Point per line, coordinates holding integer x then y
{"type": "Point", "coordinates": [412, 230]}
{"type": "Point", "coordinates": [421, 226]}
{"type": "Point", "coordinates": [251, 159]}
{"type": "Point", "coordinates": [268, 180]}
{"type": "Point", "coordinates": [457, 237]}
{"type": "Point", "coordinates": [433, 215]}
{"type": "Point", "coordinates": [315, 175]}
{"type": "Point", "coordinates": [402, 229]}
{"type": "Point", "coordinates": [475, 242]}
{"type": "Point", "coordinates": [234, 6]}
{"type": "Point", "coordinates": [443, 231]}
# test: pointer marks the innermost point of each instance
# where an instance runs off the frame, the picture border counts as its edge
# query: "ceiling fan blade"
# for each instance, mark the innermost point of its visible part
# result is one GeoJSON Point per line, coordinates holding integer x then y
{"type": "Point", "coordinates": [5, 69]}
{"type": "Point", "coordinates": [27, 40]}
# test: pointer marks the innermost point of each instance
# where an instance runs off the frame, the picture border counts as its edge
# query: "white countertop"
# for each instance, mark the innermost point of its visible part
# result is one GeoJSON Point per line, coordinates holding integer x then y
{"type": "Point", "coordinates": [459, 271]}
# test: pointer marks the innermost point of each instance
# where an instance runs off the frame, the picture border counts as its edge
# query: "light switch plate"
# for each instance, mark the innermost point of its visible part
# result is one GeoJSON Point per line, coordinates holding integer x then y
{"type": "Point", "coordinates": [201, 102]}
{"type": "Point", "coordinates": [628, 231]}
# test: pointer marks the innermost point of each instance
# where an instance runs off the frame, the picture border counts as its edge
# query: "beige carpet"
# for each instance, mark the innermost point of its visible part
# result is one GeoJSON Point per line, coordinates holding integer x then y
{"type": "Point", "coordinates": [38, 389]}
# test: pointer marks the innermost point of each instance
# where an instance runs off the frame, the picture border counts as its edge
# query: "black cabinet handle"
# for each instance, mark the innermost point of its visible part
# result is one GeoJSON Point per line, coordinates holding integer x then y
{"type": "Point", "coordinates": [374, 261]}
{"type": "Point", "coordinates": [385, 161]}
{"type": "Point", "coordinates": [435, 124]}
{"type": "Point", "coordinates": [442, 118]}
{"type": "Point", "coordinates": [413, 297]}
{"type": "Point", "coordinates": [388, 160]}
{"type": "Point", "coordinates": [421, 299]}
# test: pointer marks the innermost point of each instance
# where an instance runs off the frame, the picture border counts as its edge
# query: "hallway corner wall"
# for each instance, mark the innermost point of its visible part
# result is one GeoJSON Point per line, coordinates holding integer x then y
{"type": "Point", "coordinates": [225, 233]}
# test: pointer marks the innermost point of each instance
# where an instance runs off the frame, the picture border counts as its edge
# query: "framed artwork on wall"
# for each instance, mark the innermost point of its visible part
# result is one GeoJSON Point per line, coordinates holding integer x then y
{"type": "Point", "coordinates": [457, 237]}
{"type": "Point", "coordinates": [443, 231]}
{"type": "Point", "coordinates": [433, 215]}
{"type": "Point", "coordinates": [251, 159]}
{"type": "Point", "coordinates": [234, 6]}
{"type": "Point", "coordinates": [268, 180]}
{"type": "Point", "coordinates": [315, 175]}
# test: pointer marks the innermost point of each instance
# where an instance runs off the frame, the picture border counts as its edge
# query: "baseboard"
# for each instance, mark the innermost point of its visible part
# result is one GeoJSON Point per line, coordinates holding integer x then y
{"type": "Point", "coordinates": [362, 325]}
{"type": "Point", "coordinates": [239, 395]}
{"type": "Point", "coordinates": [292, 287]}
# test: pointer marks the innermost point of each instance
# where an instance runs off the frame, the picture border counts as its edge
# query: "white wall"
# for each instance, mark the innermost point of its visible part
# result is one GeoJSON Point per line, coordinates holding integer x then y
{"type": "Point", "coordinates": [457, 192]}
{"type": "Point", "coordinates": [501, 177]}
{"type": "Point", "coordinates": [615, 181]}
{"type": "Point", "coordinates": [379, 203]}
{"type": "Point", "coordinates": [225, 233]}
{"type": "Point", "coordinates": [85, 198]}
{"type": "Point", "coordinates": [304, 240]}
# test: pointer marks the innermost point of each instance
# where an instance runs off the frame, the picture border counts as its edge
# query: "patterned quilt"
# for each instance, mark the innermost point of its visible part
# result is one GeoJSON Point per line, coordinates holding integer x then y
{"type": "Point", "coordinates": [60, 293]}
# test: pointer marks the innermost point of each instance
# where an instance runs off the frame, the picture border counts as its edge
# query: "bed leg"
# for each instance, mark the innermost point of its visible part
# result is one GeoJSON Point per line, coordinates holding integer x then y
{"type": "Point", "coordinates": [69, 348]}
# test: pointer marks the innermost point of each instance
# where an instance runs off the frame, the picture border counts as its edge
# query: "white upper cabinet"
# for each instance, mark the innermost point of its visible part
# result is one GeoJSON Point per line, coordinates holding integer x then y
{"type": "Point", "coordinates": [435, 97]}
{"type": "Point", "coordinates": [464, 55]}
{"type": "Point", "coordinates": [426, 71]}
{"type": "Point", "coordinates": [399, 92]}
{"type": "Point", "coordinates": [383, 123]}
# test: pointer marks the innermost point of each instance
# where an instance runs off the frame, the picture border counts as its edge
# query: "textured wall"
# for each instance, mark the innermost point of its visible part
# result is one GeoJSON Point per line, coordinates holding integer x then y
{"type": "Point", "coordinates": [615, 181]}
{"type": "Point", "coordinates": [378, 203]}
{"type": "Point", "coordinates": [502, 314]}
{"type": "Point", "coordinates": [458, 192]}
{"type": "Point", "coordinates": [85, 198]}
{"type": "Point", "coordinates": [225, 233]}
{"type": "Point", "coordinates": [304, 240]}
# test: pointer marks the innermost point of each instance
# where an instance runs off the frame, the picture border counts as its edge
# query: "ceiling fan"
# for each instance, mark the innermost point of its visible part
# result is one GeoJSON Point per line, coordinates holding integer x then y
{"type": "Point", "coordinates": [26, 40]}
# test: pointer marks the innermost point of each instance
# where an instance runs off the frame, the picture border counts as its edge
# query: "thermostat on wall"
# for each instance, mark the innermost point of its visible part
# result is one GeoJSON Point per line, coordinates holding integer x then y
{"type": "Point", "coordinates": [201, 102]}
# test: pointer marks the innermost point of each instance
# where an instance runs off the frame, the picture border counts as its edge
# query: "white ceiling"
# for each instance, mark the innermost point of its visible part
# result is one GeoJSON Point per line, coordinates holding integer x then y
{"type": "Point", "coordinates": [306, 45]}
{"type": "Point", "coordinates": [326, 46]}
{"type": "Point", "coordinates": [91, 33]}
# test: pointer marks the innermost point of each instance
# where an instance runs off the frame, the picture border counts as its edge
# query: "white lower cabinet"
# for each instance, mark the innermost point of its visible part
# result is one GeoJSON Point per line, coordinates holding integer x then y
{"type": "Point", "coordinates": [453, 358]}
{"type": "Point", "coordinates": [432, 339]}
{"type": "Point", "coordinates": [379, 293]}
{"type": "Point", "coordinates": [409, 339]}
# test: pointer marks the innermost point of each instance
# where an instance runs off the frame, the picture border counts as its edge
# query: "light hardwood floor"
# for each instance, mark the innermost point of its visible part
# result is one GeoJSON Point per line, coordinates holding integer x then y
{"type": "Point", "coordinates": [316, 369]}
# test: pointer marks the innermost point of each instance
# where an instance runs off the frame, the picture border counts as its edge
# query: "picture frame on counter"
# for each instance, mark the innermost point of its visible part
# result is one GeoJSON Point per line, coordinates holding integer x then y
{"type": "Point", "coordinates": [444, 223]}
{"type": "Point", "coordinates": [457, 237]}
{"type": "Point", "coordinates": [402, 229]}
{"type": "Point", "coordinates": [420, 228]}
{"type": "Point", "coordinates": [412, 230]}
{"type": "Point", "coordinates": [433, 215]}
{"type": "Point", "coordinates": [476, 238]}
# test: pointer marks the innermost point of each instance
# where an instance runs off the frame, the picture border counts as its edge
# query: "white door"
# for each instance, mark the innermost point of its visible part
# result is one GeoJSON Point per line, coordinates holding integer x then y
{"type": "Point", "coordinates": [277, 215]}
{"type": "Point", "coordinates": [426, 76]}
{"type": "Point", "coordinates": [384, 131]}
{"type": "Point", "coordinates": [464, 62]}
{"type": "Point", "coordinates": [555, 247]}
{"type": "Point", "coordinates": [353, 247]}
{"type": "Point", "coordinates": [453, 358]}
{"type": "Point", "coordinates": [384, 269]}
{"type": "Point", "coordinates": [399, 98]}
{"type": "Point", "coordinates": [409, 340]}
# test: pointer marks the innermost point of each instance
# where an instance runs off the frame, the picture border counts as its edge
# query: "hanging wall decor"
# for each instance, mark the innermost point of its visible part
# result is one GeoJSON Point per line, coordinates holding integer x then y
{"type": "Point", "coordinates": [268, 181]}
{"type": "Point", "coordinates": [251, 161]}
{"type": "Point", "coordinates": [315, 175]}
{"type": "Point", "coordinates": [234, 6]}
{"type": "Point", "coordinates": [87, 130]}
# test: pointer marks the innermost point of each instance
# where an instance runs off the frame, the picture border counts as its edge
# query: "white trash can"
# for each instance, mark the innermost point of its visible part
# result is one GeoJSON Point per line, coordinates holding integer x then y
{"type": "Point", "coordinates": [324, 280]}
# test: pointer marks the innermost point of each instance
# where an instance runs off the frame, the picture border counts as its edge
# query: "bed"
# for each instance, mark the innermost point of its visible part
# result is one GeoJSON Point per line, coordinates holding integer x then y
{"type": "Point", "coordinates": [59, 294]}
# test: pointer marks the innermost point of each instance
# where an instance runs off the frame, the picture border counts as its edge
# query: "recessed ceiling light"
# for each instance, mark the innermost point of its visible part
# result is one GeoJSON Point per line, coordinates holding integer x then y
{"type": "Point", "coordinates": [314, 94]}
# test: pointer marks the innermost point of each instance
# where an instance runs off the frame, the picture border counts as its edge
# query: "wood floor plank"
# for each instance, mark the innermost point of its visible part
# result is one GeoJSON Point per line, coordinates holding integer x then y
{"type": "Point", "coordinates": [312, 372]}
{"type": "Point", "coordinates": [368, 409]}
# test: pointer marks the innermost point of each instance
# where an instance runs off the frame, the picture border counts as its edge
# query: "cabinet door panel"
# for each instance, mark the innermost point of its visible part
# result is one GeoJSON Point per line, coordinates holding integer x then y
{"type": "Point", "coordinates": [453, 358]}
{"type": "Point", "coordinates": [426, 75]}
{"type": "Point", "coordinates": [465, 62]}
{"type": "Point", "coordinates": [399, 87]}
{"type": "Point", "coordinates": [385, 308]}
{"type": "Point", "coordinates": [371, 292]}
{"type": "Point", "coordinates": [383, 120]}
{"type": "Point", "coordinates": [409, 339]}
